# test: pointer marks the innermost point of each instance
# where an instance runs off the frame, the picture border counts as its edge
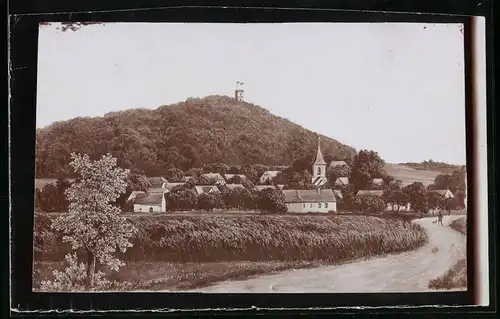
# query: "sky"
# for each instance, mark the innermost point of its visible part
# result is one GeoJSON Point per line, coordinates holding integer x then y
{"type": "Point", "coordinates": [396, 88]}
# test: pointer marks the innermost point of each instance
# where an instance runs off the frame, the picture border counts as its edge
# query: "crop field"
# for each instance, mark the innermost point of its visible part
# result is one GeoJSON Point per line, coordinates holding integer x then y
{"type": "Point", "coordinates": [218, 247]}
{"type": "Point", "coordinates": [410, 175]}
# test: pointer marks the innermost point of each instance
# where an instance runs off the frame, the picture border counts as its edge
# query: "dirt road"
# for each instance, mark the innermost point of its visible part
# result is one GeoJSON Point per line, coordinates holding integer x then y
{"type": "Point", "coordinates": [405, 272]}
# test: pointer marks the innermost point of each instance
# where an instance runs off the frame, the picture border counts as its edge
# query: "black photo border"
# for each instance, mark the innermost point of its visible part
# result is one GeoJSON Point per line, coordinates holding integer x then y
{"type": "Point", "coordinates": [23, 38]}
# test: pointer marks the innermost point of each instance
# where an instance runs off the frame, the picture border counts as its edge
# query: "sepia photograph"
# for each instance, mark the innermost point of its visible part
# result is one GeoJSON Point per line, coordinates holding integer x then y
{"type": "Point", "coordinates": [250, 158]}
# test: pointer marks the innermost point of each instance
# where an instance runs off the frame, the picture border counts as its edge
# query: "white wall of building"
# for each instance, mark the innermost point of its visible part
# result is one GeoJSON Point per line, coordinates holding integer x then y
{"type": "Point", "coordinates": [140, 208]}
{"type": "Point", "coordinates": [324, 207]}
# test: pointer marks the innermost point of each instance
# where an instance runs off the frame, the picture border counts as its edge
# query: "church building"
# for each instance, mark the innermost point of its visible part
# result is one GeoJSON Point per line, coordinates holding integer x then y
{"type": "Point", "coordinates": [319, 168]}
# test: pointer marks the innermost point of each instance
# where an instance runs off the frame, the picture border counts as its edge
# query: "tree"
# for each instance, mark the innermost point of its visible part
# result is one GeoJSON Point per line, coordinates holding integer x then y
{"type": "Point", "coordinates": [367, 166]}
{"type": "Point", "coordinates": [460, 199]}
{"type": "Point", "coordinates": [93, 223]}
{"type": "Point", "coordinates": [272, 200]}
{"type": "Point", "coordinates": [434, 201]}
{"type": "Point", "coordinates": [52, 198]}
{"type": "Point", "coordinates": [205, 202]}
{"type": "Point", "coordinates": [417, 196]}
{"type": "Point", "coordinates": [400, 199]}
{"type": "Point", "coordinates": [372, 204]}
{"type": "Point", "coordinates": [135, 182]}
{"type": "Point", "coordinates": [236, 179]}
{"type": "Point", "coordinates": [336, 172]}
{"type": "Point", "coordinates": [173, 174]}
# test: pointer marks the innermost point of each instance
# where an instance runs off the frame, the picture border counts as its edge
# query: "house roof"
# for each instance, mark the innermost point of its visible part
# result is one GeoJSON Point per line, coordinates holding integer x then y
{"type": "Point", "coordinates": [200, 189]}
{"type": "Point", "coordinates": [271, 173]}
{"type": "Point", "coordinates": [152, 199]}
{"type": "Point", "coordinates": [261, 187]}
{"type": "Point", "coordinates": [233, 186]}
{"type": "Point", "coordinates": [229, 176]}
{"type": "Point", "coordinates": [216, 176]}
{"type": "Point", "coordinates": [319, 156]}
{"type": "Point", "coordinates": [338, 193]}
{"type": "Point", "coordinates": [169, 186]}
{"type": "Point", "coordinates": [319, 181]}
{"type": "Point", "coordinates": [442, 192]}
{"type": "Point", "coordinates": [157, 190]}
{"type": "Point", "coordinates": [157, 181]}
{"type": "Point", "coordinates": [342, 180]}
{"type": "Point", "coordinates": [134, 194]}
{"type": "Point", "coordinates": [377, 181]}
{"type": "Point", "coordinates": [363, 193]}
{"type": "Point", "coordinates": [337, 163]}
{"type": "Point", "coordinates": [280, 186]}
{"type": "Point", "coordinates": [308, 195]}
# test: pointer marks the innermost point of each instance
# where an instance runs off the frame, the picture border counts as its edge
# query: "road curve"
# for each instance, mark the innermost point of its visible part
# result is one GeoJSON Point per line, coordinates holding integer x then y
{"type": "Point", "coordinates": [404, 272]}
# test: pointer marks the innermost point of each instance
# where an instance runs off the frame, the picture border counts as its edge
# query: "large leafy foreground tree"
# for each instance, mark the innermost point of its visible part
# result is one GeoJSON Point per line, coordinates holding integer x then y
{"type": "Point", "coordinates": [93, 223]}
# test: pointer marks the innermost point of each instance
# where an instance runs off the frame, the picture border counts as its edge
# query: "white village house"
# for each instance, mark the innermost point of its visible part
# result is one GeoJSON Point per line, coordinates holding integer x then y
{"type": "Point", "coordinates": [150, 203]}
{"type": "Point", "coordinates": [444, 193]}
{"type": "Point", "coordinates": [310, 201]}
{"type": "Point", "coordinates": [342, 181]}
{"type": "Point", "coordinates": [206, 189]}
{"type": "Point", "coordinates": [268, 176]}
{"type": "Point", "coordinates": [215, 176]}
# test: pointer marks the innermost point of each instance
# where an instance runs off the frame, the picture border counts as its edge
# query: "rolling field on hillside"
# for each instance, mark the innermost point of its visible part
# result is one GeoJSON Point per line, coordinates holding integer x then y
{"type": "Point", "coordinates": [410, 175]}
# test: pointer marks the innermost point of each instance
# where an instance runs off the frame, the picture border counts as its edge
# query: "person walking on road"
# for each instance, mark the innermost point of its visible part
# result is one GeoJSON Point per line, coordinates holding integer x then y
{"type": "Point", "coordinates": [440, 218]}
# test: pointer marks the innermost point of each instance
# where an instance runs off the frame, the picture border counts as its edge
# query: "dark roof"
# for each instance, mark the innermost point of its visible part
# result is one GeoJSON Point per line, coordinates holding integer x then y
{"type": "Point", "coordinates": [152, 199]}
{"type": "Point", "coordinates": [308, 195]}
{"type": "Point", "coordinates": [262, 187]}
{"type": "Point", "coordinates": [157, 182]}
{"type": "Point", "coordinates": [157, 190]}
{"type": "Point", "coordinates": [343, 180]}
{"type": "Point", "coordinates": [233, 186]}
{"type": "Point", "coordinates": [337, 163]}
{"type": "Point", "coordinates": [377, 193]}
{"type": "Point", "coordinates": [216, 176]}
{"type": "Point", "coordinates": [201, 189]}
{"type": "Point", "coordinates": [319, 156]}
{"type": "Point", "coordinates": [169, 186]}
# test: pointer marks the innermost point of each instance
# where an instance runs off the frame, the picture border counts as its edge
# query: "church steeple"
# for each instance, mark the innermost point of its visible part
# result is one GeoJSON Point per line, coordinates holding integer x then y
{"type": "Point", "coordinates": [319, 156]}
{"type": "Point", "coordinates": [319, 168]}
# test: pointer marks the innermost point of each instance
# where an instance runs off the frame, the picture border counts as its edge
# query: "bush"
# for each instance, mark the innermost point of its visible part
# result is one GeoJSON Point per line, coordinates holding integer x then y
{"type": "Point", "coordinates": [74, 278]}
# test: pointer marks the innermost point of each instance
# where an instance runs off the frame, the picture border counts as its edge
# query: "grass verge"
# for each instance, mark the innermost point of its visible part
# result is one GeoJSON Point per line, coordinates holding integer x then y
{"type": "Point", "coordinates": [456, 276]}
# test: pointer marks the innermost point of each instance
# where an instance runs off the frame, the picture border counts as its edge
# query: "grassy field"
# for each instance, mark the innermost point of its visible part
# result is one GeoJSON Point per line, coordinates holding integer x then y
{"type": "Point", "coordinates": [183, 252]}
{"type": "Point", "coordinates": [456, 276]}
{"type": "Point", "coordinates": [410, 175]}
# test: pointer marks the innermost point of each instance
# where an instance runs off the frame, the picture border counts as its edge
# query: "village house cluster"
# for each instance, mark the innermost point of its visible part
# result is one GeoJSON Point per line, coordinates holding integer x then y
{"type": "Point", "coordinates": [318, 200]}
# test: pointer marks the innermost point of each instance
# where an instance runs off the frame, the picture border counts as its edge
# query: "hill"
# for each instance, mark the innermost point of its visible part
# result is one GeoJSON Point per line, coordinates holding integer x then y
{"type": "Point", "coordinates": [409, 175]}
{"type": "Point", "coordinates": [187, 134]}
{"type": "Point", "coordinates": [430, 165]}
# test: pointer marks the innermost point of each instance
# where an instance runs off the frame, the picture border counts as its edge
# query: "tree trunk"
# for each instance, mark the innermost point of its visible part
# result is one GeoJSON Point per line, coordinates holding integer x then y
{"type": "Point", "coordinates": [91, 260]}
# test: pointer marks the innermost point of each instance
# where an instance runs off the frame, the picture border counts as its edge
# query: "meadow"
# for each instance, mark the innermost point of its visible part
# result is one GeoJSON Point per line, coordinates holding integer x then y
{"type": "Point", "coordinates": [409, 175]}
{"type": "Point", "coordinates": [185, 252]}
{"type": "Point", "coordinates": [456, 276]}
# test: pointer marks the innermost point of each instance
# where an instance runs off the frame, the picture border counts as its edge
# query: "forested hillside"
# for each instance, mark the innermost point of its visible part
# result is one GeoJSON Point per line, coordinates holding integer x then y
{"type": "Point", "coordinates": [214, 129]}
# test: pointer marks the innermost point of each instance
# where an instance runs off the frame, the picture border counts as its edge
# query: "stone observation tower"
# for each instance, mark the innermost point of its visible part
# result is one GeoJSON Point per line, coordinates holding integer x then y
{"type": "Point", "coordinates": [319, 168]}
{"type": "Point", "coordinates": [238, 93]}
